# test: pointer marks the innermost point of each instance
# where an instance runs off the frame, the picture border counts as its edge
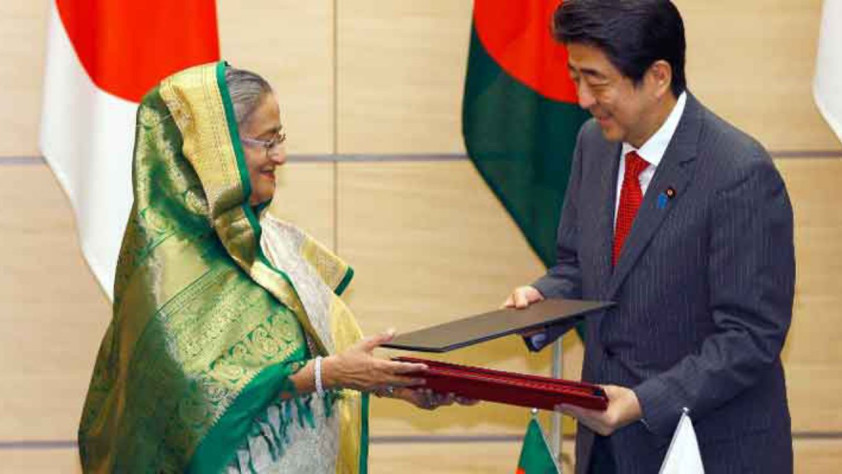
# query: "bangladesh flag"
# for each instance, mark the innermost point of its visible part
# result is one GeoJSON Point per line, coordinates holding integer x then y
{"type": "Point", "coordinates": [520, 115]}
{"type": "Point", "coordinates": [535, 455]}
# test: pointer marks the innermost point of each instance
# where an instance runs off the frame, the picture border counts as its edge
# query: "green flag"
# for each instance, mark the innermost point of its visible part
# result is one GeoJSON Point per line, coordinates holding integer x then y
{"type": "Point", "coordinates": [535, 455]}
{"type": "Point", "coordinates": [520, 115]}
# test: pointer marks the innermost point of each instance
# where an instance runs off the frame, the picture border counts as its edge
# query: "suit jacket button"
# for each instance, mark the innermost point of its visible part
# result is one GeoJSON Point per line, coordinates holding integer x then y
{"type": "Point", "coordinates": [609, 353]}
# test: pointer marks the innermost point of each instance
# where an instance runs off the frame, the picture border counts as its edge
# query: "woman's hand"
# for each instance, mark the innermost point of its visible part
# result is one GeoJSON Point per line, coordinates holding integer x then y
{"type": "Point", "coordinates": [425, 398]}
{"type": "Point", "coordinates": [358, 369]}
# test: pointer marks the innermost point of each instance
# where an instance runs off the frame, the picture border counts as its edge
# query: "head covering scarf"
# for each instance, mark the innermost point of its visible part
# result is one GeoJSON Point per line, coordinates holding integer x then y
{"type": "Point", "coordinates": [206, 331]}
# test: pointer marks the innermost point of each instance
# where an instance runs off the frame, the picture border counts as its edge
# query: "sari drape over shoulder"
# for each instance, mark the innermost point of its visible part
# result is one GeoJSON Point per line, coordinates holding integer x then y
{"type": "Point", "coordinates": [207, 328]}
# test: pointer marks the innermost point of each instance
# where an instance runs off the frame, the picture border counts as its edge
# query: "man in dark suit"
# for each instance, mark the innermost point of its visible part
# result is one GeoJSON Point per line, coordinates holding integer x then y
{"type": "Point", "coordinates": [685, 223]}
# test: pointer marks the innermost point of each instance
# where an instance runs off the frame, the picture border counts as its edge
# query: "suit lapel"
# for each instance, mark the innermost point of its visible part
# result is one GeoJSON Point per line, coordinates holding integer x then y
{"type": "Point", "coordinates": [674, 172]}
{"type": "Point", "coordinates": [605, 214]}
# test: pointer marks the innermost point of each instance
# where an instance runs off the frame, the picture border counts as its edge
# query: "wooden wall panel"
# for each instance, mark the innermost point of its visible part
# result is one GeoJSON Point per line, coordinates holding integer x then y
{"type": "Point", "coordinates": [813, 354]}
{"type": "Point", "coordinates": [23, 32]}
{"type": "Point", "coordinates": [430, 237]}
{"type": "Point", "coordinates": [290, 43]}
{"type": "Point", "coordinates": [429, 244]}
{"type": "Point", "coordinates": [752, 62]}
{"type": "Point", "coordinates": [52, 313]}
{"type": "Point", "coordinates": [400, 73]}
{"type": "Point", "coordinates": [38, 461]}
{"type": "Point", "coordinates": [816, 456]}
{"type": "Point", "coordinates": [304, 195]}
{"type": "Point", "coordinates": [401, 70]}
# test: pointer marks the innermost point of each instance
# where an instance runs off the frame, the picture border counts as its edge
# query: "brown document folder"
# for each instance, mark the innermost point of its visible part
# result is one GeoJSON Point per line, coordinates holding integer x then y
{"type": "Point", "coordinates": [492, 325]}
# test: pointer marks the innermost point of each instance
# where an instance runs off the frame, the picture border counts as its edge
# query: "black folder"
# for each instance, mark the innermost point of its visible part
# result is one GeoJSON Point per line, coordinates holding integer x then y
{"type": "Point", "coordinates": [495, 324]}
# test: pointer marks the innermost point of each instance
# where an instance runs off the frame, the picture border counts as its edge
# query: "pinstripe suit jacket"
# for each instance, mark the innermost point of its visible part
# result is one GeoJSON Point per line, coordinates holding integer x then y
{"type": "Point", "coordinates": [704, 290]}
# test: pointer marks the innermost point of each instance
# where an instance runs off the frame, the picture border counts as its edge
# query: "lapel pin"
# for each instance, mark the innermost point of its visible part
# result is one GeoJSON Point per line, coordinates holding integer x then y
{"type": "Point", "coordinates": [665, 196]}
{"type": "Point", "coordinates": [662, 200]}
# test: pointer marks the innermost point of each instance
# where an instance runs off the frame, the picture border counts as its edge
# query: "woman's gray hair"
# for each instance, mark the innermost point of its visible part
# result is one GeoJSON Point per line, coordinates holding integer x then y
{"type": "Point", "coordinates": [246, 89]}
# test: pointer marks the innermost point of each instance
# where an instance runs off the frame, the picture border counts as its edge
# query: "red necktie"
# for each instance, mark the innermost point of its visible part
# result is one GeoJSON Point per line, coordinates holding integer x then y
{"type": "Point", "coordinates": [631, 197]}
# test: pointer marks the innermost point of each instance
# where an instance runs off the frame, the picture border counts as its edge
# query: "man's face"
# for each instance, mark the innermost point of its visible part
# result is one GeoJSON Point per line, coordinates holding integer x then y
{"type": "Point", "coordinates": [621, 109]}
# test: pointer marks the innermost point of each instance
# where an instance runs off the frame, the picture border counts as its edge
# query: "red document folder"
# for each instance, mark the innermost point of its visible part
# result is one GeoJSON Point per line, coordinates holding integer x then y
{"type": "Point", "coordinates": [529, 391]}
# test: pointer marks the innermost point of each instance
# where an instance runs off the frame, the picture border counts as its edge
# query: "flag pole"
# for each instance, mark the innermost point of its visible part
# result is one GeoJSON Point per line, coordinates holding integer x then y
{"type": "Point", "coordinates": [557, 426]}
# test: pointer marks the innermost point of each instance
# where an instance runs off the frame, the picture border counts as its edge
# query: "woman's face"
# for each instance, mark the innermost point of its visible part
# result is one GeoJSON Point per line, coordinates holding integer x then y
{"type": "Point", "coordinates": [262, 137]}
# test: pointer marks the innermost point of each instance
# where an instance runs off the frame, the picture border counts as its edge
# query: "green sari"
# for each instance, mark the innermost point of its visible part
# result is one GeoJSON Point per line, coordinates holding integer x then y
{"type": "Point", "coordinates": [209, 319]}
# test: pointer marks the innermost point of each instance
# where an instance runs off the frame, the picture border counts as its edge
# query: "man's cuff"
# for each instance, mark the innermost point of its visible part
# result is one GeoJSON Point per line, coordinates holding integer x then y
{"type": "Point", "coordinates": [538, 340]}
{"type": "Point", "coordinates": [661, 408]}
{"type": "Point", "coordinates": [545, 286]}
{"type": "Point", "coordinates": [535, 342]}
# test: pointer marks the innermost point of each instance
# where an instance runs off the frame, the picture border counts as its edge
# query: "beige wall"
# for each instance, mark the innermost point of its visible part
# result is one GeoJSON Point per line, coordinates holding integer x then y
{"type": "Point", "coordinates": [428, 240]}
{"type": "Point", "coordinates": [291, 43]}
{"type": "Point", "coordinates": [23, 33]}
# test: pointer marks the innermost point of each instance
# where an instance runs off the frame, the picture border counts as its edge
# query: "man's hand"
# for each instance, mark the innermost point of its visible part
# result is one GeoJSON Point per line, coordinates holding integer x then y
{"type": "Point", "coordinates": [623, 409]}
{"type": "Point", "coordinates": [522, 297]}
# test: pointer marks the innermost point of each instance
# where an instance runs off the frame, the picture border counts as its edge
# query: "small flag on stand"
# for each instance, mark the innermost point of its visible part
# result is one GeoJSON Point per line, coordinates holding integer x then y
{"type": "Point", "coordinates": [536, 457]}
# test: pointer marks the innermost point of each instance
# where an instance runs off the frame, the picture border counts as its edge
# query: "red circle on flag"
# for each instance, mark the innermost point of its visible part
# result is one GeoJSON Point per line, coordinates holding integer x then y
{"type": "Point", "coordinates": [517, 35]}
{"type": "Point", "coordinates": [128, 46]}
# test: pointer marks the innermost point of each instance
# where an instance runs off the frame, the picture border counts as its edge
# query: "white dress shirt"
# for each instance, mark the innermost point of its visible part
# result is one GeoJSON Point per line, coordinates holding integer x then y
{"type": "Point", "coordinates": [652, 151]}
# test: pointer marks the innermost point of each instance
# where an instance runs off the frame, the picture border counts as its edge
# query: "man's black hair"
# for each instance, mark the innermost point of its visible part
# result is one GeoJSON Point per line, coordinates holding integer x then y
{"type": "Point", "coordinates": [633, 34]}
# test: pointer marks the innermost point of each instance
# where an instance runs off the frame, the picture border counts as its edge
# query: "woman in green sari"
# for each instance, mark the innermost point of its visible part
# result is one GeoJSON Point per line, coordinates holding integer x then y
{"type": "Point", "coordinates": [229, 349]}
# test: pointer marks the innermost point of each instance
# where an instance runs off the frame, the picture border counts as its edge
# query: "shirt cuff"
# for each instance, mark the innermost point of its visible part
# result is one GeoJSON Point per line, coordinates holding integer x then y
{"type": "Point", "coordinates": [538, 340]}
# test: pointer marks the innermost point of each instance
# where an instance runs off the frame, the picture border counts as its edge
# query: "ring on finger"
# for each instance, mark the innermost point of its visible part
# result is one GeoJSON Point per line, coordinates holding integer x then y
{"type": "Point", "coordinates": [429, 400]}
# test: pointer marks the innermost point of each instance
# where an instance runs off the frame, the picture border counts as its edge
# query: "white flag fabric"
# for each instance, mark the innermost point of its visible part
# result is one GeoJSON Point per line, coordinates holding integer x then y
{"type": "Point", "coordinates": [86, 137]}
{"type": "Point", "coordinates": [827, 85]}
{"type": "Point", "coordinates": [683, 455]}
{"type": "Point", "coordinates": [101, 58]}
